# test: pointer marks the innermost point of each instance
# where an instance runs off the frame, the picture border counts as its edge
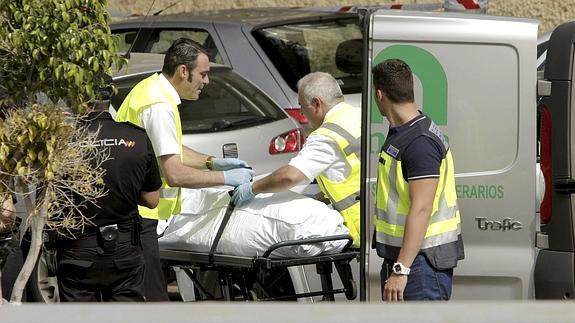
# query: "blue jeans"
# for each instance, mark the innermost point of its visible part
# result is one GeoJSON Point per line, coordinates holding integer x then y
{"type": "Point", "coordinates": [424, 282]}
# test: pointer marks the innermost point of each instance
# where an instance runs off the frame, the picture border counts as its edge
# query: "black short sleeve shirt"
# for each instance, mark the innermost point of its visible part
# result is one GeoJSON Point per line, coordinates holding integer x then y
{"type": "Point", "coordinates": [131, 169]}
{"type": "Point", "coordinates": [421, 158]}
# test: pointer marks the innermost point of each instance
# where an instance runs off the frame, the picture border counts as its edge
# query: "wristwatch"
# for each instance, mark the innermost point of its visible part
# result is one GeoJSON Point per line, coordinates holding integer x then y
{"type": "Point", "coordinates": [209, 163]}
{"type": "Point", "coordinates": [399, 269]}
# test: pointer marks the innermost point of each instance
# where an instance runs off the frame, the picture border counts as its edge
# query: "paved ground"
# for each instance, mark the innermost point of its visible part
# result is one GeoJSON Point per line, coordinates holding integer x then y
{"type": "Point", "coordinates": [471, 312]}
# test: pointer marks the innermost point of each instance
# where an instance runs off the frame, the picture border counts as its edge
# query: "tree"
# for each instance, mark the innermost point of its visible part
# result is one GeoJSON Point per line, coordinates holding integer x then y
{"type": "Point", "coordinates": [52, 55]}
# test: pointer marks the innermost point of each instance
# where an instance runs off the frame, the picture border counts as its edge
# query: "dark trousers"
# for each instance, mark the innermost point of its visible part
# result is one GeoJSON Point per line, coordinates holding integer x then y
{"type": "Point", "coordinates": [155, 288]}
{"type": "Point", "coordinates": [11, 260]}
{"type": "Point", "coordinates": [424, 281]}
{"type": "Point", "coordinates": [10, 272]}
{"type": "Point", "coordinates": [88, 274]}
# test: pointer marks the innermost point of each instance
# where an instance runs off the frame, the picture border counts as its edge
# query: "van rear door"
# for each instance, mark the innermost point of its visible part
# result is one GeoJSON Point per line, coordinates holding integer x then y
{"type": "Point", "coordinates": [555, 267]}
{"type": "Point", "coordinates": [475, 77]}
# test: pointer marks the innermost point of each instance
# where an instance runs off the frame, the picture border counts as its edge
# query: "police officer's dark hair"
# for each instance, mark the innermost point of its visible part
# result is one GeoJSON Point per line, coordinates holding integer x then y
{"type": "Point", "coordinates": [183, 51]}
{"type": "Point", "coordinates": [103, 93]}
{"type": "Point", "coordinates": [395, 79]}
{"type": "Point", "coordinates": [99, 105]}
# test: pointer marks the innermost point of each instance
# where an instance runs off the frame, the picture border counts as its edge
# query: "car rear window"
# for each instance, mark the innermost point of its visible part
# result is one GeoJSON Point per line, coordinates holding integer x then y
{"type": "Point", "coordinates": [228, 102]}
{"type": "Point", "coordinates": [162, 39]}
{"type": "Point", "coordinates": [159, 40]}
{"type": "Point", "coordinates": [332, 46]}
{"type": "Point", "coordinates": [124, 39]}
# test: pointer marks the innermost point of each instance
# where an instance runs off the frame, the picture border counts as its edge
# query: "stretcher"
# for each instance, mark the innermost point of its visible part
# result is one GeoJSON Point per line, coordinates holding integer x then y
{"type": "Point", "coordinates": [257, 277]}
{"type": "Point", "coordinates": [247, 278]}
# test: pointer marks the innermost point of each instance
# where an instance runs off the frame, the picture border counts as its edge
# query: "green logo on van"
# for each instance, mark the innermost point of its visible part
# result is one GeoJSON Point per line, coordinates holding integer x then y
{"type": "Point", "coordinates": [429, 72]}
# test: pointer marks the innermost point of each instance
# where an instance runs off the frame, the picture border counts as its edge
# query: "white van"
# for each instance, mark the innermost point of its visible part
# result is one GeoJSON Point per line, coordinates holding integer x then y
{"type": "Point", "coordinates": [476, 78]}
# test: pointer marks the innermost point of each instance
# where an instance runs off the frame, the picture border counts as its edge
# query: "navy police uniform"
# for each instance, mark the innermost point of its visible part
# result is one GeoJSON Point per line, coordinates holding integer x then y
{"type": "Point", "coordinates": [106, 262]}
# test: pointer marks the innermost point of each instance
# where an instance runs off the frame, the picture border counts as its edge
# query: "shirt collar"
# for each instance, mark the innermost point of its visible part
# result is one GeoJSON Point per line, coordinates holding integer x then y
{"type": "Point", "coordinates": [170, 88]}
{"type": "Point", "coordinates": [99, 115]}
{"type": "Point", "coordinates": [409, 123]}
{"type": "Point", "coordinates": [334, 108]}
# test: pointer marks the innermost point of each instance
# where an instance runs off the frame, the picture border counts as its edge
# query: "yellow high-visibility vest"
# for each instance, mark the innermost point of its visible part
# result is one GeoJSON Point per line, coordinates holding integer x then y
{"type": "Point", "coordinates": [143, 96]}
{"type": "Point", "coordinates": [442, 244]}
{"type": "Point", "coordinates": [343, 126]}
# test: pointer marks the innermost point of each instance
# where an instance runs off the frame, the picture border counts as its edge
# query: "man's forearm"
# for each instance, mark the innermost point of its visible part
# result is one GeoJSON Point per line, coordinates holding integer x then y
{"type": "Point", "coordinates": [422, 193]}
{"type": "Point", "coordinates": [189, 177]}
{"type": "Point", "coordinates": [415, 229]}
{"type": "Point", "coordinates": [280, 180]}
{"type": "Point", "coordinates": [194, 159]}
{"type": "Point", "coordinates": [180, 175]}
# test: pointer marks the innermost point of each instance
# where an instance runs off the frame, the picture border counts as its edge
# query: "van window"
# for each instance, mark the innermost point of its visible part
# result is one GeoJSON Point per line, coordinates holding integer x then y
{"type": "Point", "coordinates": [228, 102]}
{"type": "Point", "coordinates": [332, 46]}
{"type": "Point", "coordinates": [162, 39]}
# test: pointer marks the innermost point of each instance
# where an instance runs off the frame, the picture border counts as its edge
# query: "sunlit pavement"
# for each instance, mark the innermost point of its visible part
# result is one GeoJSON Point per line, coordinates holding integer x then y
{"type": "Point", "coordinates": [500, 311]}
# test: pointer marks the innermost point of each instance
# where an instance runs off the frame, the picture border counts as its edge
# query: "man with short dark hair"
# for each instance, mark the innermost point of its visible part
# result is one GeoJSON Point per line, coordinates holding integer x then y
{"type": "Point", "coordinates": [105, 261]}
{"type": "Point", "coordinates": [417, 222]}
{"type": "Point", "coordinates": [153, 105]}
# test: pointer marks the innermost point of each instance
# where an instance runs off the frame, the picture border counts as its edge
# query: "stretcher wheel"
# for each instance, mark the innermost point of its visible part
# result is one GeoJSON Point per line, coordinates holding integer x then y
{"type": "Point", "coordinates": [350, 290]}
{"type": "Point", "coordinates": [253, 295]}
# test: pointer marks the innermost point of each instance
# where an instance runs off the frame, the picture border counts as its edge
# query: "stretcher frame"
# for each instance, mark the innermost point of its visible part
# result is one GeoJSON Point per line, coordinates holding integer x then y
{"type": "Point", "coordinates": [238, 272]}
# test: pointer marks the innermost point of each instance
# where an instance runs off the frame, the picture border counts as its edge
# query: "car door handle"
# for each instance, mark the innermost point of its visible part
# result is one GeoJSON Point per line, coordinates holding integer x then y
{"type": "Point", "coordinates": [230, 150]}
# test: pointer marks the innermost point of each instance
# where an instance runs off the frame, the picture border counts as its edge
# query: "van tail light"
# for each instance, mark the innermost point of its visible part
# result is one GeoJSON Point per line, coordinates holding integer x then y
{"type": "Point", "coordinates": [545, 163]}
{"type": "Point", "coordinates": [288, 142]}
{"type": "Point", "coordinates": [297, 115]}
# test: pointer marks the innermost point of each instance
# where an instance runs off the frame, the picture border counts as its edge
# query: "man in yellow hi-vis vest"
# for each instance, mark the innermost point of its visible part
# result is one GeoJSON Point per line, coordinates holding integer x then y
{"type": "Point", "coordinates": [417, 221]}
{"type": "Point", "coordinates": [153, 105]}
{"type": "Point", "coordinates": [331, 153]}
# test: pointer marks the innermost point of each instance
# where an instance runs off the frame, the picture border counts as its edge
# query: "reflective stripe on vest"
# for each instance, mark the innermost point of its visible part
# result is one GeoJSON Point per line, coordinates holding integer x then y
{"type": "Point", "coordinates": [143, 96]}
{"type": "Point", "coordinates": [169, 192]}
{"type": "Point", "coordinates": [444, 224]}
{"type": "Point", "coordinates": [354, 144]}
{"type": "Point", "coordinates": [343, 126]}
{"type": "Point", "coordinates": [346, 202]}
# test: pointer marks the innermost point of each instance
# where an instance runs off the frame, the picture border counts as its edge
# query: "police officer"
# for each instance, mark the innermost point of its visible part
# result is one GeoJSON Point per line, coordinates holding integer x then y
{"type": "Point", "coordinates": [105, 262]}
{"type": "Point", "coordinates": [330, 154]}
{"type": "Point", "coordinates": [417, 223]}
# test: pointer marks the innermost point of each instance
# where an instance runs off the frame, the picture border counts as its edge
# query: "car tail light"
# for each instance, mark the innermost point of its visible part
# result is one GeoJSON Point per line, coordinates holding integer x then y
{"type": "Point", "coordinates": [288, 142]}
{"type": "Point", "coordinates": [297, 115]}
{"type": "Point", "coordinates": [545, 163]}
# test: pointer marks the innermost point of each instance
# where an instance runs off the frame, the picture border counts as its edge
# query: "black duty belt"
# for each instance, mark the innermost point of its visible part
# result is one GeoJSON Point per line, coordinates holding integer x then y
{"type": "Point", "coordinates": [91, 241]}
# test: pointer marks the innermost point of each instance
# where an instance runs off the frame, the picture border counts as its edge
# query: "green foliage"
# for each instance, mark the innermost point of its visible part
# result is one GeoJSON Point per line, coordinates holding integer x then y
{"type": "Point", "coordinates": [49, 150]}
{"type": "Point", "coordinates": [32, 139]}
{"type": "Point", "coordinates": [56, 47]}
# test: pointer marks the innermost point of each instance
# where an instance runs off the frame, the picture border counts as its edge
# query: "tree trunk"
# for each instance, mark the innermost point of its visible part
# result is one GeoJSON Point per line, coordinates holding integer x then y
{"type": "Point", "coordinates": [37, 222]}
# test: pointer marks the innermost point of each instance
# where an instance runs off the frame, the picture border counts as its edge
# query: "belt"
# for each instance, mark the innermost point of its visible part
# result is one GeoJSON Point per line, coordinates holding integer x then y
{"type": "Point", "coordinates": [92, 241]}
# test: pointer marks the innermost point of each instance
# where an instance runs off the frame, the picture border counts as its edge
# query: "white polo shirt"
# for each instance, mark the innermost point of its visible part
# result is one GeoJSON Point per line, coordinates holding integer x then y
{"type": "Point", "coordinates": [321, 154]}
{"type": "Point", "coordinates": [160, 123]}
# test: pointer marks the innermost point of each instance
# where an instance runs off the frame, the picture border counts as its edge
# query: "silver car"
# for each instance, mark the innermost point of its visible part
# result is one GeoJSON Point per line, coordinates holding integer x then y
{"type": "Point", "coordinates": [232, 118]}
{"type": "Point", "coordinates": [272, 47]}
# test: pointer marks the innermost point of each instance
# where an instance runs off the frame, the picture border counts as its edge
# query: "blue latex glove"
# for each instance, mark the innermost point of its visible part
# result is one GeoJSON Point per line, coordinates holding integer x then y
{"type": "Point", "coordinates": [238, 176]}
{"type": "Point", "coordinates": [228, 163]}
{"type": "Point", "coordinates": [243, 193]}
